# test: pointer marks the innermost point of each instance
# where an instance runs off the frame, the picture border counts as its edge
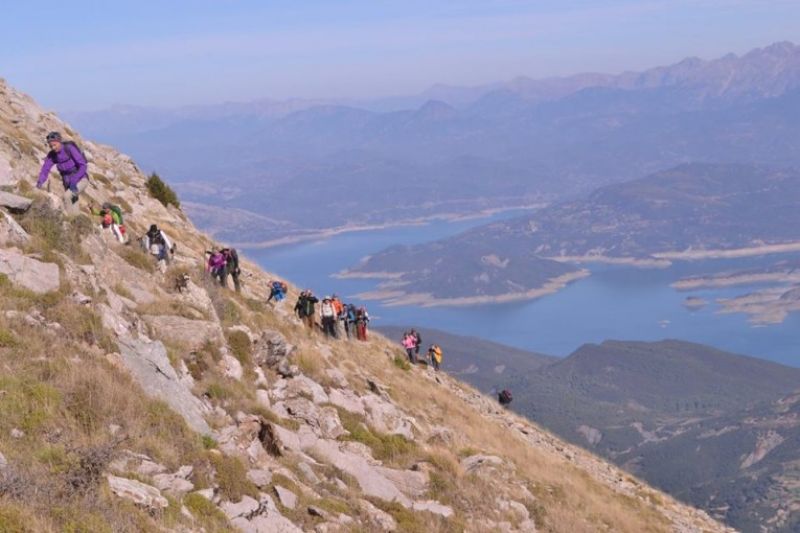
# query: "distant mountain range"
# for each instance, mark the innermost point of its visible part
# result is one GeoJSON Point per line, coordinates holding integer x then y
{"type": "Point", "coordinates": [715, 429]}
{"type": "Point", "coordinates": [460, 150]}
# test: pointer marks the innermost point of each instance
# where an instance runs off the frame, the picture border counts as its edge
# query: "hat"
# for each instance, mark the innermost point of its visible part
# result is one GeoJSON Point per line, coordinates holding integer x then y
{"type": "Point", "coordinates": [153, 227]}
{"type": "Point", "coordinates": [53, 136]}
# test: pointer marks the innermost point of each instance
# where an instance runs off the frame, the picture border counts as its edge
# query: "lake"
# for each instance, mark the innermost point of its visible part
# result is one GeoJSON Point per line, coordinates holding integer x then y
{"type": "Point", "coordinates": [615, 302]}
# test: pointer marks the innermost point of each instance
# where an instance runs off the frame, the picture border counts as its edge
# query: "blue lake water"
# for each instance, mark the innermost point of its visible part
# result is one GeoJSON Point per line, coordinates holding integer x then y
{"type": "Point", "coordinates": [613, 303]}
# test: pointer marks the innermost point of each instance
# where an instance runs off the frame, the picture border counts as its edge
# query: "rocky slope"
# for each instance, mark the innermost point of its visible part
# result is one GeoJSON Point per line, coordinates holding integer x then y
{"type": "Point", "coordinates": [127, 405]}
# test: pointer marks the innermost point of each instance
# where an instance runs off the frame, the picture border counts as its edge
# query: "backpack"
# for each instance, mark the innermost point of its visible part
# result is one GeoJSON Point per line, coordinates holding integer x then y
{"type": "Point", "coordinates": [505, 396]}
{"type": "Point", "coordinates": [231, 257]}
{"type": "Point", "coordinates": [65, 144]}
{"type": "Point", "coordinates": [351, 313]}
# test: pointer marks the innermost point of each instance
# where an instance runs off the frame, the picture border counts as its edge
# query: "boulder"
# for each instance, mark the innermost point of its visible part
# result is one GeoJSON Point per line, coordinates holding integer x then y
{"type": "Point", "coordinates": [434, 507]}
{"type": "Point", "coordinates": [14, 202]}
{"type": "Point", "coordinates": [149, 366]}
{"type": "Point", "coordinates": [271, 349]}
{"type": "Point", "coordinates": [475, 462]}
{"type": "Point", "coordinates": [11, 233]}
{"type": "Point", "coordinates": [308, 473]}
{"type": "Point", "coordinates": [369, 478]}
{"type": "Point", "coordinates": [243, 508]}
{"type": "Point", "coordinates": [330, 426]}
{"type": "Point", "coordinates": [193, 333]}
{"type": "Point", "coordinates": [29, 273]}
{"type": "Point", "coordinates": [137, 492]}
{"type": "Point", "coordinates": [262, 397]}
{"type": "Point", "coordinates": [380, 519]}
{"type": "Point", "coordinates": [337, 377]}
{"type": "Point", "coordinates": [287, 498]}
{"type": "Point", "coordinates": [385, 417]}
{"type": "Point", "coordinates": [231, 367]}
{"type": "Point", "coordinates": [304, 386]}
{"type": "Point", "coordinates": [7, 178]}
{"type": "Point", "coordinates": [259, 477]}
{"type": "Point", "coordinates": [266, 519]}
{"type": "Point", "coordinates": [347, 400]}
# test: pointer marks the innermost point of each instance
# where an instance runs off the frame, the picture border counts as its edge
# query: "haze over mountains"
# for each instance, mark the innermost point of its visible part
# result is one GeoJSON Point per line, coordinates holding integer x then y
{"type": "Point", "coordinates": [715, 429]}
{"type": "Point", "coordinates": [468, 149]}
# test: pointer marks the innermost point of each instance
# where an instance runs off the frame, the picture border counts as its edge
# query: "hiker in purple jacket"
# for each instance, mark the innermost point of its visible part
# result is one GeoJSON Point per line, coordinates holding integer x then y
{"type": "Point", "coordinates": [216, 266]}
{"type": "Point", "coordinates": [71, 164]}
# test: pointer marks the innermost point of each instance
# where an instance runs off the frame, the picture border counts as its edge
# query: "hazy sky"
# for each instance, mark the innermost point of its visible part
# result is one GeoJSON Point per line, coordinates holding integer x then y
{"type": "Point", "coordinates": [81, 54]}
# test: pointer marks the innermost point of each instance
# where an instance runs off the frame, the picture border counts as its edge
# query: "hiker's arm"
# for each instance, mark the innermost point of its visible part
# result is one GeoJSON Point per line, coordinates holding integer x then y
{"type": "Point", "coordinates": [43, 174]}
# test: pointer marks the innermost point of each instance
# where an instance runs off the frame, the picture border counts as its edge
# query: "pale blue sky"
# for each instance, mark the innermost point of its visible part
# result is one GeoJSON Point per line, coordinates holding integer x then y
{"type": "Point", "coordinates": [84, 54]}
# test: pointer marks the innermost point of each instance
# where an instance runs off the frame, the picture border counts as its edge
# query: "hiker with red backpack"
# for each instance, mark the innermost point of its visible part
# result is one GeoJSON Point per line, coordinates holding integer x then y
{"type": "Point", "coordinates": [71, 164]}
{"type": "Point", "coordinates": [362, 319]}
{"type": "Point", "coordinates": [111, 218]}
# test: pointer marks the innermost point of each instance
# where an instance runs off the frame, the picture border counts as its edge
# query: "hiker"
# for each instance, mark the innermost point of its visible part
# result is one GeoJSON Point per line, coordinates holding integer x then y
{"type": "Point", "coordinates": [71, 164]}
{"type": "Point", "coordinates": [305, 308]}
{"type": "Point", "coordinates": [362, 319]}
{"type": "Point", "coordinates": [505, 397]}
{"type": "Point", "coordinates": [327, 313]}
{"type": "Point", "coordinates": [435, 356]}
{"type": "Point", "coordinates": [417, 341]}
{"type": "Point", "coordinates": [111, 218]}
{"type": "Point", "coordinates": [409, 342]}
{"type": "Point", "coordinates": [231, 267]}
{"type": "Point", "coordinates": [338, 307]}
{"type": "Point", "coordinates": [349, 319]}
{"type": "Point", "coordinates": [156, 242]}
{"type": "Point", "coordinates": [216, 266]}
{"type": "Point", "coordinates": [277, 290]}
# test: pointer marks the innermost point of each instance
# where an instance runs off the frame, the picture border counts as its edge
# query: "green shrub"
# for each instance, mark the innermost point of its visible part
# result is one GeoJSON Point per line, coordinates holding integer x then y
{"type": "Point", "coordinates": [401, 362]}
{"type": "Point", "coordinates": [53, 233]}
{"type": "Point", "coordinates": [138, 258]}
{"type": "Point", "coordinates": [205, 512]}
{"type": "Point", "coordinates": [232, 477]}
{"type": "Point", "coordinates": [241, 347]}
{"type": "Point", "coordinates": [391, 448]}
{"type": "Point", "coordinates": [161, 191]}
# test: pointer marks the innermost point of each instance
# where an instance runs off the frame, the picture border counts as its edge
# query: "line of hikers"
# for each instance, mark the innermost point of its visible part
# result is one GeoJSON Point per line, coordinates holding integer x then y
{"type": "Point", "coordinates": [412, 341]}
{"type": "Point", "coordinates": [337, 319]}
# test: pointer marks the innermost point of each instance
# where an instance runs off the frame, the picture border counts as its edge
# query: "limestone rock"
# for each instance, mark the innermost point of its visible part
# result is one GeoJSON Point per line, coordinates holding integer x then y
{"type": "Point", "coordinates": [259, 477]}
{"type": "Point", "coordinates": [193, 333]}
{"type": "Point", "coordinates": [475, 462]}
{"type": "Point", "coordinates": [271, 349]}
{"type": "Point", "coordinates": [14, 202]}
{"type": "Point", "coordinates": [149, 365]}
{"type": "Point", "coordinates": [337, 377]}
{"type": "Point", "coordinates": [176, 484]}
{"type": "Point", "coordinates": [434, 507]}
{"type": "Point", "coordinates": [11, 233]}
{"type": "Point", "coordinates": [377, 517]}
{"type": "Point", "coordinates": [385, 417]}
{"type": "Point", "coordinates": [347, 400]}
{"type": "Point", "coordinates": [29, 273]}
{"type": "Point", "coordinates": [303, 386]}
{"type": "Point", "coordinates": [138, 492]}
{"type": "Point", "coordinates": [330, 425]}
{"type": "Point", "coordinates": [371, 481]}
{"type": "Point", "coordinates": [231, 367]}
{"type": "Point", "coordinates": [262, 397]}
{"type": "Point", "coordinates": [243, 508]}
{"type": "Point", "coordinates": [287, 498]}
{"type": "Point", "coordinates": [308, 473]}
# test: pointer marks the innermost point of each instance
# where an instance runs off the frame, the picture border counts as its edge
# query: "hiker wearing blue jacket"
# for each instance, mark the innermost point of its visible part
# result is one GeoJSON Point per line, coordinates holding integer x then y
{"type": "Point", "coordinates": [71, 164]}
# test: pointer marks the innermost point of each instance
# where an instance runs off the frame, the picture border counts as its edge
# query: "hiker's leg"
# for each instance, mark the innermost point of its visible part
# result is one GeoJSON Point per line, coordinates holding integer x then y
{"type": "Point", "coordinates": [237, 285]}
